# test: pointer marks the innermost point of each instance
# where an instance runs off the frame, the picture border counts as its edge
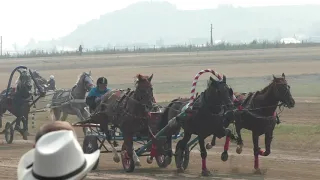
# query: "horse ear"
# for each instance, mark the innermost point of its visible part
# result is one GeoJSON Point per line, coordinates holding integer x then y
{"type": "Point", "coordinates": [273, 76]}
{"type": "Point", "coordinates": [90, 73]}
{"type": "Point", "coordinates": [19, 71]}
{"type": "Point", "coordinates": [139, 77]}
{"type": "Point", "coordinates": [150, 78]}
{"type": "Point", "coordinates": [284, 76]}
{"type": "Point", "coordinates": [224, 79]}
{"type": "Point", "coordinates": [211, 79]}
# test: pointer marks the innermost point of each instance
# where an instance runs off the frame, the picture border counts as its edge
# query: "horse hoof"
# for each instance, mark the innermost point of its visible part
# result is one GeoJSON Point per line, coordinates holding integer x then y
{"type": "Point", "coordinates": [149, 160]}
{"type": "Point", "coordinates": [224, 156]}
{"type": "Point", "coordinates": [239, 150]}
{"type": "Point", "coordinates": [259, 171]}
{"type": "Point", "coordinates": [208, 146]}
{"type": "Point", "coordinates": [180, 170]}
{"type": "Point", "coordinates": [137, 163]}
{"type": "Point", "coordinates": [206, 173]}
{"type": "Point", "coordinates": [25, 136]}
{"type": "Point", "coordinates": [116, 159]}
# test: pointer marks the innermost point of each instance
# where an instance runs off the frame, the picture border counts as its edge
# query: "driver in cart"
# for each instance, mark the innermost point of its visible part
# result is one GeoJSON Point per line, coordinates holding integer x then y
{"type": "Point", "coordinates": [95, 94]}
{"type": "Point", "coordinates": [51, 83]}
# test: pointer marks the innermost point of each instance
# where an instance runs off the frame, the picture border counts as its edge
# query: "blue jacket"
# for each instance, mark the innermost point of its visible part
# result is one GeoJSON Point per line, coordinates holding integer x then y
{"type": "Point", "coordinates": [96, 93]}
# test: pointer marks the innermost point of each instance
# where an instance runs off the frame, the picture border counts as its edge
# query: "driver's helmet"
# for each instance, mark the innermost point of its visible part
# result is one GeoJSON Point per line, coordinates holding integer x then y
{"type": "Point", "coordinates": [102, 80]}
{"type": "Point", "coordinates": [52, 77]}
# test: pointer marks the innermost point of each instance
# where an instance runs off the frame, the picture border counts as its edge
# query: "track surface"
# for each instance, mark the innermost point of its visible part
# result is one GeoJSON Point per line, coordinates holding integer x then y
{"type": "Point", "coordinates": [295, 154]}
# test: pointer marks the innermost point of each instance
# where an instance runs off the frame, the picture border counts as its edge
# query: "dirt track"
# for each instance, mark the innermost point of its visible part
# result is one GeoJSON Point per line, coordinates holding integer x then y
{"type": "Point", "coordinates": [295, 154]}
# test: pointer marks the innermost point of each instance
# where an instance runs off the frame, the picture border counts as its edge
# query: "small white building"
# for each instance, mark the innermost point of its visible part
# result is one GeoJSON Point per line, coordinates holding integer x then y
{"type": "Point", "coordinates": [290, 41]}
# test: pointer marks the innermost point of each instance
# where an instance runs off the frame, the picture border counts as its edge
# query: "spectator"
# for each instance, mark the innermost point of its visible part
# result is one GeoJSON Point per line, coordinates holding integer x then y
{"type": "Point", "coordinates": [54, 126]}
{"type": "Point", "coordinates": [80, 49]}
{"type": "Point", "coordinates": [57, 155]}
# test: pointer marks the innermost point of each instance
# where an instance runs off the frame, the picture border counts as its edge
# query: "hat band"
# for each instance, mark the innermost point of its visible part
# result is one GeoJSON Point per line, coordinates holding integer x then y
{"type": "Point", "coordinates": [67, 176]}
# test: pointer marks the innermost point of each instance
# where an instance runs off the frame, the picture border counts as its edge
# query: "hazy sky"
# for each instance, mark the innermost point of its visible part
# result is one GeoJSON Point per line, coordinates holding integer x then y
{"type": "Point", "coordinates": [21, 20]}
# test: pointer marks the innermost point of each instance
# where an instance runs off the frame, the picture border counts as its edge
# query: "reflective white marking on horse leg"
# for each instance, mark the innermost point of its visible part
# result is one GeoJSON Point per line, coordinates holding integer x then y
{"type": "Point", "coordinates": [116, 157]}
{"type": "Point", "coordinates": [136, 158]}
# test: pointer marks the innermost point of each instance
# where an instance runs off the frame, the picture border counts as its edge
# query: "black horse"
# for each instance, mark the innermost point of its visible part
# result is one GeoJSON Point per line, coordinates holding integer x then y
{"type": "Point", "coordinates": [259, 114]}
{"type": "Point", "coordinates": [18, 102]}
{"type": "Point", "coordinates": [256, 112]}
{"type": "Point", "coordinates": [206, 118]}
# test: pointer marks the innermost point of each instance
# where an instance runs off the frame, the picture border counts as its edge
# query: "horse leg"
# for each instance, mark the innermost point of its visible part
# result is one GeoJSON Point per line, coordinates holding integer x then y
{"type": "Point", "coordinates": [136, 158]}
{"type": "Point", "coordinates": [181, 146]}
{"type": "Point", "coordinates": [224, 155]}
{"type": "Point", "coordinates": [268, 139]}
{"type": "Point", "coordinates": [128, 143]}
{"type": "Point", "coordinates": [25, 123]}
{"type": "Point", "coordinates": [239, 140]}
{"type": "Point", "coordinates": [116, 157]}
{"type": "Point", "coordinates": [205, 171]}
{"type": "Point", "coordinates": [213, 142]}
{"type": "Point", "coordinates": [18, 128]}
{"type": "Point", "coordinates": [79, 114]}
{"type": "Point", "coordinates": [64, 116]}
{"type": "Point", "coordinates": [55, 114]}
{"type": "Point", "coordinates": [1, 119]}
{"type": "Point", "coordinates": [256, 151]}
{"type": "Point", "coordinates": [2, 111]}
{"type": "Point", "coordinates": [18, 123]}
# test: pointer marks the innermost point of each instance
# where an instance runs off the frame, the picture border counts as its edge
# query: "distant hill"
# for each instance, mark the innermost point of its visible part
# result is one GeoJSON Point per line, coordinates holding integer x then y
{"type": "Point", "coordinates": [153, 22]}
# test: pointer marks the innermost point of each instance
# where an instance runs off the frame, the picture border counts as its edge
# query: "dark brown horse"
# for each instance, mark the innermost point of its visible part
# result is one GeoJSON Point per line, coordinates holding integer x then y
{"type": "Point", "coordinates": [206, 118]}
{"type": "Point", "coordinates": [129, 111]}
{"type": "Point", "coordinates": [257, 114]}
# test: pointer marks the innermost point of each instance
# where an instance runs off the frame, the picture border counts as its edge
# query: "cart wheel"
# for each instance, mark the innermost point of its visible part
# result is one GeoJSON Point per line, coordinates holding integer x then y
{"type": "Point", "coordinates": [164, 160]}
{"type": "Point", "coordinates": [127, 163]}
{"type": "Point", "coordinates": [8, 133]}
{"type": "Point", "coordinates": [182, 156]}
{"type": "Point", "coordinates": [90, 145]}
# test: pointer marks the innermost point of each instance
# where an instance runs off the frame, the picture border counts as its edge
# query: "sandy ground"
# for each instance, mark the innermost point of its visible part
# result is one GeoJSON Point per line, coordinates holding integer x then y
{"type": "Point", "coordinates": [295, 154]}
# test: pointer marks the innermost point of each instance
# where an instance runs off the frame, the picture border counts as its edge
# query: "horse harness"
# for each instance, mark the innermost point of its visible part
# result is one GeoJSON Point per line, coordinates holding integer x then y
{"type": "Point", "coordinates": [120, 108]}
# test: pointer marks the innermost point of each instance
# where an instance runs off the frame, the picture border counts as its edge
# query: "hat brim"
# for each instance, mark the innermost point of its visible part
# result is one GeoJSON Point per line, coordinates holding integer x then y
{"type": "Point", "coordinates": [25, 173]}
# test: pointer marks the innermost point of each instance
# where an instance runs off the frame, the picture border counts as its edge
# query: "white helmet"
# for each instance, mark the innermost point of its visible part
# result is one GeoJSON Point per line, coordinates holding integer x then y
{"type": "Point", "coordinates": [51, 77]}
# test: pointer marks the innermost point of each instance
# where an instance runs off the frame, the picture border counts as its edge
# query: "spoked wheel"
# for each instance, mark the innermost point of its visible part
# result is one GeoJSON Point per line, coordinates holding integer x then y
{"type": "Point", "coordinates": [163, 160]}
{"type": "Point", "coordinates": [8, 133]}
{"type": "Point", "coordinates": [127, 162]}
{"type": "Point", "coordinates": [90, 145]}
{"type": "Point", "coordinates": [182, 157]}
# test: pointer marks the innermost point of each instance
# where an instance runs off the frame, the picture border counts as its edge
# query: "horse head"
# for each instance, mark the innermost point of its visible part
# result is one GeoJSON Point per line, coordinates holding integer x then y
{"type": "Point", "coordinates": [85, 81]}
{"type": "Point", "coordinates": [144, 91]}
{"type": "Point", "coordinates": [282, 91]}
{"type": "Point", "coordinates": [218, 94]}
{"type": "Point", "coordinates": [39, 78]}
{"type": "Point", "coordinates": [24, 83]}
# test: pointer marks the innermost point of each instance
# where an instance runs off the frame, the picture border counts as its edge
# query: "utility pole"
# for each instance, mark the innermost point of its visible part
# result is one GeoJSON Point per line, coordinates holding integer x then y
{"type": "Point", "coordinates": [211, 40]}
{"type": "Point", "coordinates": [0, 45]}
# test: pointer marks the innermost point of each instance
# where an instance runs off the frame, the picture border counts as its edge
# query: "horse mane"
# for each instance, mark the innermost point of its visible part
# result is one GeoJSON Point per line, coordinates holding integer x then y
{"type": "Point", "coordinates": [265, 89]}
{"type": "Point", "coordinates": [79, 76]}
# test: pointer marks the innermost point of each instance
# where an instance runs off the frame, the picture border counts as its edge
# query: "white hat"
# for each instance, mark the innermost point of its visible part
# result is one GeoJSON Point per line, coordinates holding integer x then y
{"type": "Point", "coordinates": [56, 155]}
{"type": "Point", "coordinates": [51, 76]}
